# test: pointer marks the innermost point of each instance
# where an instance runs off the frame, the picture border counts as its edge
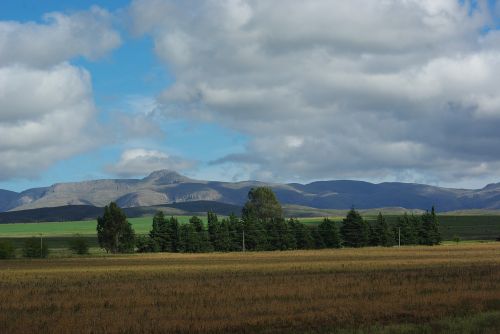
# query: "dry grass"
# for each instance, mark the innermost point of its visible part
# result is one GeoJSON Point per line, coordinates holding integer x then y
{"type": "Point", "coordinates": [317, 291]}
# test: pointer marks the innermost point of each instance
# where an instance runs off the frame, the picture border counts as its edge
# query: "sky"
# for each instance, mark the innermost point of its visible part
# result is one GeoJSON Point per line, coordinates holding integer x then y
{"type": "Point", "coordinates": [279, 91]}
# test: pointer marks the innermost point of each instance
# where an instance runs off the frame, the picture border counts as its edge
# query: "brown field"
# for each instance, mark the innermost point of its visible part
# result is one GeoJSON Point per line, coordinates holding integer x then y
{"type": "Point", "coordinates": [293, 291]}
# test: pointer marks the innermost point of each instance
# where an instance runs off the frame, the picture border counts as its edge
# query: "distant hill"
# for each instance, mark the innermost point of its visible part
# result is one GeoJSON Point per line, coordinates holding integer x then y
{"type": "Point", "coordinates": [167, 187]}
{"type": "Point", "coordinates": [88, 212]}
{"type": "Point", "coordinates": [7, 198]}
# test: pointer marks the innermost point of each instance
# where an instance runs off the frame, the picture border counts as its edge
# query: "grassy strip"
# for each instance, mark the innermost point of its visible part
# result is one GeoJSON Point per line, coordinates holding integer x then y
{"type": "Point", "coordinates": [485, 323]}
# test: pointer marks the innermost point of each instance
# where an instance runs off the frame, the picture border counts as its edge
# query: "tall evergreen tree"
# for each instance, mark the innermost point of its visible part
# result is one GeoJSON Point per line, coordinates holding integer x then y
{"type": "Point", "coordinates": [435, 227]}
{"type": "Point", "coordinates": [158, 234]}
{"type": "Point", "coordinates": [201, 239]}
{"type": "Point", "coordinates": [236, 232]}
{"type": "Point", "coordinates": [172, 235]}
{"type": "Point", "coordinates": [355, 230]}
{"type": "Point", "coordinates": [114, 233]}
{"type": "Point", "coordinates": [425, 229]}
{"type": "Point", "coordinates": [189, 241]}
{"type": "Point", "coordinates": [406, 230]}
{"type": "Point", "coordinates": [383, 234]}
{"type": "Point", "coordinates": [302, 234]}
{"type": "Point", "coordinates": [317, 237]}
{"type": "Point", "coordinates": [278, 235]}
{"type": "Point", "coordinates": [373, 237]}
{"type": "Point", "coordinates": [414, 223]}
{"type": "Point", "coordinates": [429, 231]}
{"type": "Point", "coordinates": [213, 227]}
{"type": "Point", "coordinates": [223, 239]}
{"type": "Point", "coordinates": [330, 234]}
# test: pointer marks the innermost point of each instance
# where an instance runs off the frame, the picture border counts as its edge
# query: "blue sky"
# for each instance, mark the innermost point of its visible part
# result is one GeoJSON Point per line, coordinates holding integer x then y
{"type": "Point", "coordinates": [234, 90]}
{"type": "Point", "coordinates": [128, 74]}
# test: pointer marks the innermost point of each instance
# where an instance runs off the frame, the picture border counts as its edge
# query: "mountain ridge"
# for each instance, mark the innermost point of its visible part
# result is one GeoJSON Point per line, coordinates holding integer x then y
{"type": "Point", "coordinates": [166, 187]}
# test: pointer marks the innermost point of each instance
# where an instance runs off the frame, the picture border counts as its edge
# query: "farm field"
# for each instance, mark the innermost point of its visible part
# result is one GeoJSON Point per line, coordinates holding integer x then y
{"type": "Point", "coordinates": [477, 227]}
{"type": "Point", "coordinates": [372, 290]}
{"type": "Point", "coordinates": [141, 225]}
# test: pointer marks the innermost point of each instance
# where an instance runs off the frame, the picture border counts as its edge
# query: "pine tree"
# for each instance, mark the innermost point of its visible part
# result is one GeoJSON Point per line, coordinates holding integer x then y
{"type": "Point", "coordinates": [302, 235]}
{"type": "Point", "coordinates": [172, 235]}
{"type": "Point", "coordinates": [224, 240]}
{"type": "Point", "coordinates": [158, 233]}
{"type": "Point", "coordinates": [436, 234]}
{"type": "Point", "coordinates": [255, 234]}
{"type": "Point", "coordinates": [414, 223]}
{"type": "Point", "coordinates": [354, 230]}
{"type": "Point", "coordinates": [429, 231]}
{"type": "Point", "coordinates": [382, 231]}
{"type": "Point", "coordinates": [213, 226]}
{"type": "Point", "coordinates": [373, 237]}
{"type": "Point", "coordinates": [188, 239]}
{"type": "Point", "coordinates": [236, 232]}
{"type": "Point", "coordinates": [330, 234]}
{"type": "Point", "coordinates": [278, 234]}
{"type": "Point", "coordinates": [317, 237]}
{"type": "Point", "coordinates": [201, 239]}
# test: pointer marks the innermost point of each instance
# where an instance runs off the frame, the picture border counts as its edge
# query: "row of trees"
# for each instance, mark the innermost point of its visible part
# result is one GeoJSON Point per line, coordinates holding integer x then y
{"type": "Point", "coordinates": [408, 230]}
{"type": "Point", "coordinates": [261, 227]}
{"type": "Point", "coordinates": [234, 234]}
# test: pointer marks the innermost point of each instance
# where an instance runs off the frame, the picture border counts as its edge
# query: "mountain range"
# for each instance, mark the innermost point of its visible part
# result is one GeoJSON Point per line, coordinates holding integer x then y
{"type": "Point", "coordinates": [167, 187]}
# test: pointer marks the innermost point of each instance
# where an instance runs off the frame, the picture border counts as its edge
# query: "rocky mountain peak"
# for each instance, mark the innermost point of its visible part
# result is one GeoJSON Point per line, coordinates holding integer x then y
{"type": "Point", "coordinates": [166, 176]}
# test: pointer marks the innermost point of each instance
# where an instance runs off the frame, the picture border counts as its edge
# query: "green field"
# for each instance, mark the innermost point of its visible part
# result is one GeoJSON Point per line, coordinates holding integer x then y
{"type": "Point", "coordinates": [478, 227]}
{"type": "Point", "coordinates": [141, 225]}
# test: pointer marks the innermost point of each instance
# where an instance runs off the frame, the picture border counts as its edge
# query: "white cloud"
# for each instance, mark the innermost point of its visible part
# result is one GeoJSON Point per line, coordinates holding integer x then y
{"type": "Point", "coordinates": [47, 111]}
{"type": "Point", "coordinates": [331, 89]}
{"type": "Point", "coordinates": [139, 161]}
{"type": "Point", "coordinates": [45, 116]}
{"type": "Point", "coordinates": [59, 38]}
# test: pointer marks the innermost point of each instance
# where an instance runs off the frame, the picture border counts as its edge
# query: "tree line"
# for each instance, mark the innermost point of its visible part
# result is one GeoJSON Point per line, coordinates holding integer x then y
{"type": "Point", "coordinates": [262, 226]}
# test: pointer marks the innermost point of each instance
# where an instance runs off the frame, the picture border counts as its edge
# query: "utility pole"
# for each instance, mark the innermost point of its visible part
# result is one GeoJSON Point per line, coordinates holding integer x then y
{"type": "Point", "coordinates": [399, 236]}
{"type": "Point", "coordinates": [243, 241]}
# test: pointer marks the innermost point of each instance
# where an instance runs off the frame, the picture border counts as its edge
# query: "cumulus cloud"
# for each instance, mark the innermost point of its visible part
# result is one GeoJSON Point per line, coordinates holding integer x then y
{"type": "Point", "coordinates": [139, 161]}
{"type": "Point", "coordinates": [58, 38]}
{"type": "Point", "coordinates": [44, 117]}
{"type": "Point", "coordinates": [47, 111]}
{"type": "Point", "coordinates": [360, 89]}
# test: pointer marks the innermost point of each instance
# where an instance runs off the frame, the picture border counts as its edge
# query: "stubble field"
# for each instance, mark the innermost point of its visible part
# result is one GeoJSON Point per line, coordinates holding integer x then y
{"type": "Point", "coordinates": [367, 290]}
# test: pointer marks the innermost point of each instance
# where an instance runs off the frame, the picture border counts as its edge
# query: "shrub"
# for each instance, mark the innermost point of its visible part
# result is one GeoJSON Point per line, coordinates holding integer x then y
{"type": "Point", "coordinates": [34, 249]}
{"type": "Point", "coordinates": [79, 245]}
{"type": "Point", "coordinates": [7, 250]}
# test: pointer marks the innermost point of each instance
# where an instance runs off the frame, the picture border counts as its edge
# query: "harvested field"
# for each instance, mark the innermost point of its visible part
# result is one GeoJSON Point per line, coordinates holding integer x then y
{"type": "Point", "coordinates": [293, 291]}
